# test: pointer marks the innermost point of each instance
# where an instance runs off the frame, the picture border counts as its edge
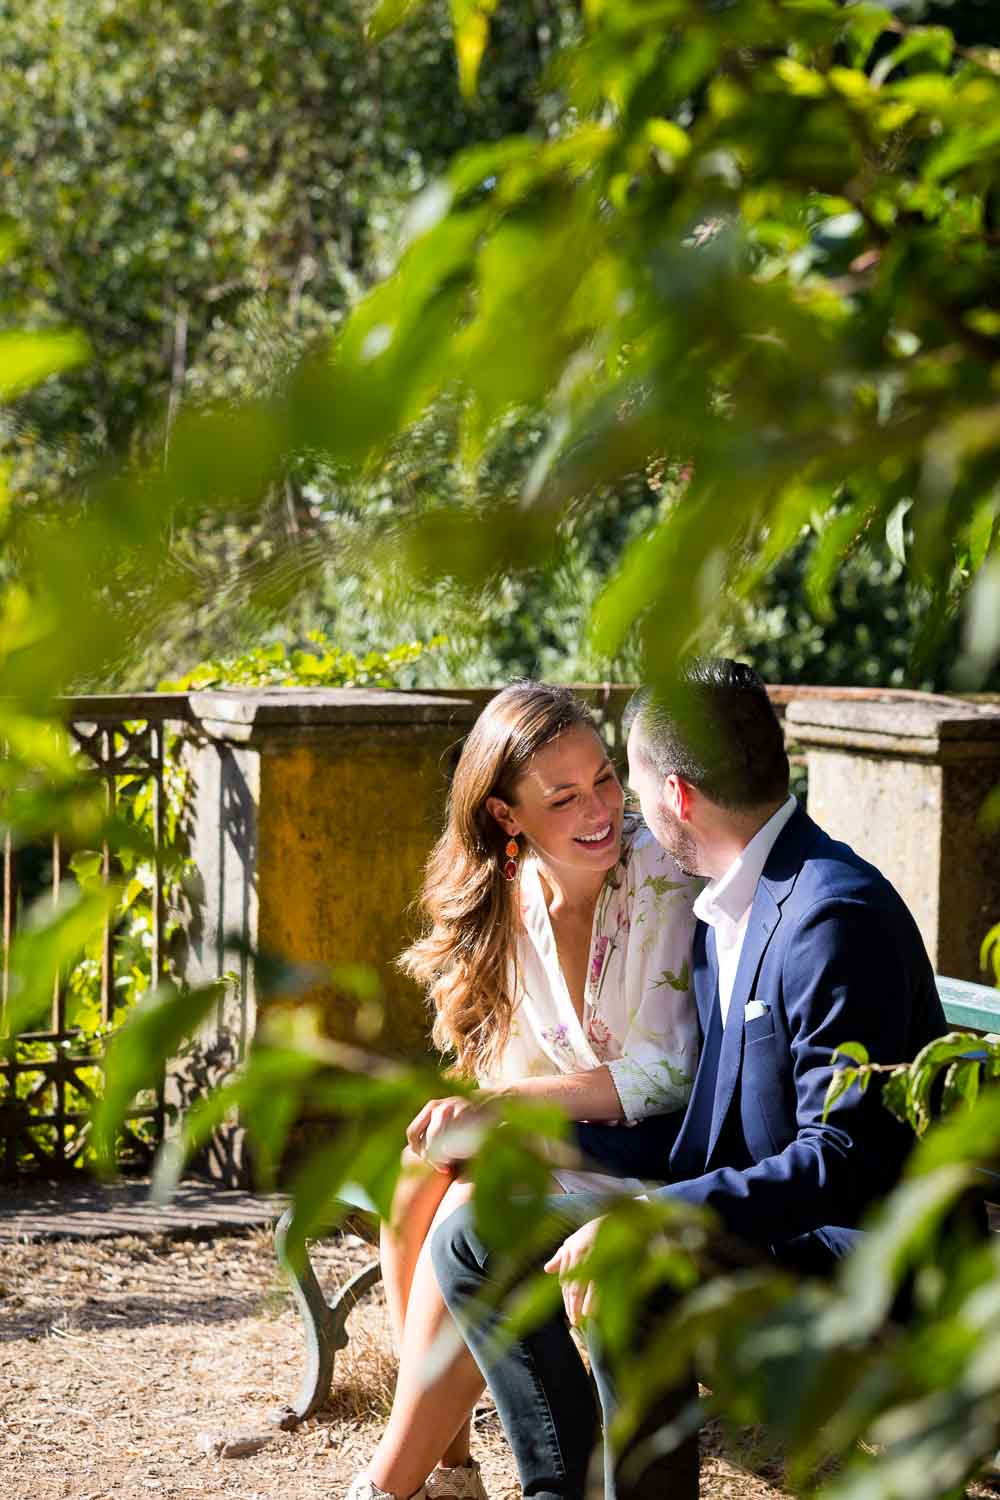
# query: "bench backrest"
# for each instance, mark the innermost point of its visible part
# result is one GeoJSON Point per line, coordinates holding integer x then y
{"type": "Point", "coordinates": [969, 1007]}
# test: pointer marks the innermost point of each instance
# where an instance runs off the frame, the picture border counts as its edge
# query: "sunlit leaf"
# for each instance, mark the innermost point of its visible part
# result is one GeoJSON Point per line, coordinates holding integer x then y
{"type": "Point", "coordinates": [26, 358]}
{"type": "Point", "coordinates": [896, 1238]}
{"type": "Point", "coordinates": [471, 20]}
{"type": "Point", "coordinates": [152, 1033]}
{"type": "Point", "coordinates": [49, 938]}
{"type": "Point", "coordinates": [389, 14]}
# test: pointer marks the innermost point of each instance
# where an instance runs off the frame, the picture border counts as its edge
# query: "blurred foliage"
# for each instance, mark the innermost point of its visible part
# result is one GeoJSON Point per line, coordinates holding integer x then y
{"type": "Point", "coordinates": [200, 200]}
{"type": "Point", "coordinates": [200, 189]}
{"type": "Point", "coordinates": [744, 251]}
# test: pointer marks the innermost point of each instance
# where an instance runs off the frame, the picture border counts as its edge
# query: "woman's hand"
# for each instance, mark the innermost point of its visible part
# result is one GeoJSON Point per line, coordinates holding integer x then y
{"type": "Point", "coordinates": [444, 1132]}
{"type": "Point", "coordinates": [578, 1296]}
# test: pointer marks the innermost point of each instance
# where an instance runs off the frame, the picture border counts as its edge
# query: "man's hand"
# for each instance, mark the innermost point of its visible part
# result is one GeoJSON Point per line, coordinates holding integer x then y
{"type": "Point", "coordinates": [578, 1296]}
{"type": "Point", "coordinates": [444, 1132]}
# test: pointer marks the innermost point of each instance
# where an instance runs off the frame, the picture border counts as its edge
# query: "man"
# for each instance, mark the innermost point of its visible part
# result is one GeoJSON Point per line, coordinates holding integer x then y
{"type": "Point", "coordinates": [800, 946]}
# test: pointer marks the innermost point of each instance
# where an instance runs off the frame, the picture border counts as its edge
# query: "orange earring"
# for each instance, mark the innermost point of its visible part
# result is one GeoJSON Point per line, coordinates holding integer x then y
{"type": "Point", "coordinates": [510, 864]}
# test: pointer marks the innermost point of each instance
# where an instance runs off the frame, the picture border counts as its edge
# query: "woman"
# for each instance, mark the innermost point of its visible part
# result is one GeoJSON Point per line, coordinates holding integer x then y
{"type": "Point", "coordinates": [557, 965]}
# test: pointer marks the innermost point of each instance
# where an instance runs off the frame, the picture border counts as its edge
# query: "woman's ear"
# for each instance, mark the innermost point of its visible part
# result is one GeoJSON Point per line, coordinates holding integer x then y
{"type": "Point", "coordinates": [502, 814]}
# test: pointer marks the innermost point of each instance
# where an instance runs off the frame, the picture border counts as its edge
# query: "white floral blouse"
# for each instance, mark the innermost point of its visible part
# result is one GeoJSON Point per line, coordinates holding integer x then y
{"type": "Point", "coordinates": [639, 1016]}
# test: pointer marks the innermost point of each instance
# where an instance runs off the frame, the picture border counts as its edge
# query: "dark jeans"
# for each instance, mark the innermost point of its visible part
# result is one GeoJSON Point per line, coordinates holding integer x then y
{"type": "Point", "coordinates": [542, 1392]}
{"type": "Point", "coordinates": [544, 1397]}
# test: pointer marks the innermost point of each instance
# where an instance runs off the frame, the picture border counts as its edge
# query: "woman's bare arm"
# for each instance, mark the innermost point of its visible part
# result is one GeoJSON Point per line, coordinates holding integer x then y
{"type": "Point", "coordinates": [588, 1095]}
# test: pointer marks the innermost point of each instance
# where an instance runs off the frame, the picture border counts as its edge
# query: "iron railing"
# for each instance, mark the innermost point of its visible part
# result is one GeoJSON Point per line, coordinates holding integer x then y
{"type": "Point", "coordinates": [50, 1077]}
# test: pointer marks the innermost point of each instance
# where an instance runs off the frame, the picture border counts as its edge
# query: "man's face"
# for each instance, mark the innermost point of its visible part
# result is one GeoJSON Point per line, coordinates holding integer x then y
{"type": "Point", "coordinates": [650, 787]}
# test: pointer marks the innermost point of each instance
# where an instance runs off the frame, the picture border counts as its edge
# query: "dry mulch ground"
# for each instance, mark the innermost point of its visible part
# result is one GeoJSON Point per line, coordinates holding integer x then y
{"type": "Point", "coordinates": [117, 1355]}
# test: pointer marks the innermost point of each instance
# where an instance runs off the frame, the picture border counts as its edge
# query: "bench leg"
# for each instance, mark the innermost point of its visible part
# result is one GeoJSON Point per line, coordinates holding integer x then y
{"type": "Point", "coordinates": [325, 1324]}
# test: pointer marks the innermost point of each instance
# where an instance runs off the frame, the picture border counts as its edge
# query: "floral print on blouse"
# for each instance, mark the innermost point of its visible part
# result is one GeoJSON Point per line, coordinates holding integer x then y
{"type": "Point", "coordinates": [639, 1016]}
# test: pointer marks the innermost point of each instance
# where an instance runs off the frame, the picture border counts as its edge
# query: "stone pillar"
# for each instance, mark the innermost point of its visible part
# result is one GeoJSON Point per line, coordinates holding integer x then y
{"type": "Point", "coordinates": [903, 780]}
{"type": "Point", "coordinates": [313, 814]}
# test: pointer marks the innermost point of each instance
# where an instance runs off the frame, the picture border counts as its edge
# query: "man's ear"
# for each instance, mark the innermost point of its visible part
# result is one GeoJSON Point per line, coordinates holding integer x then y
{"type": "Point", "coordinates": [499, 810]}
{"type": "Point", "coordinates": [677, 796]}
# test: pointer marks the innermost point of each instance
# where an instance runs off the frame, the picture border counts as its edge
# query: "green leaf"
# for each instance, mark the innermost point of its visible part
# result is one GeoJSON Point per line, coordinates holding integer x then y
{"type": "Point", "coordinates": [923, 1071]}
{"type": "Point", "coordinates": [935, 44]}
{"type": "Point", "coordinates": [152, 1033]}
{"type": "Point", "coordinates": [898, 1235]}
{"type": "Point", "coordinates": [855, 85]}
{"type": "Point", "coordinates": [856, 1051]}
{"type": "Point", "coordinates": [26, 359]}
{"type": "Point", "coordinates": [982, 528]}
{"type": "Point", "coordinates": [961, 1084]}
{"type": "Point", "coordinates": [865, 23]}
{"type": "Point", "coordinates": [669, 141]}
{"type": "Point", "coordinates": [965, 1138]}
{"type": "Point", "coordinates": [471, 20]}
{"type": "Point", "coordinates": [895, 530]}
{"type": "Point", "coordinates": [990, 948]}
{"type": "Point", "coordinates": [511, 1184]}
{"type": "Point", "coordinates": [360, 980]}
{"type": "Point", "coordinates": [271, 1078]}
{"type": "Point", "coordinates": [839, 534]}
{"type": "Point", "coordinates": [839, 1084]}
{"type": "Point", "coordinates": [86, 864]}
{"type": "Point", "coordinates": [896, 1098]}
{"type": "Point", "coordinates": [389, 14]}
{"type": "Point", "coordinates": [50, 939]}
{"type": "Point", "coordinates": [982, 622]}
{"type": "Point", "coordinates": [804, 82]}
{"type": "Point", "coordinates": [314, 1191]}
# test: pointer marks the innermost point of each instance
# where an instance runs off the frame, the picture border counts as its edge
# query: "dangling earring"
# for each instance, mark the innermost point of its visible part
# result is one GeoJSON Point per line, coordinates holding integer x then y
{"type": "Point", "coordinates": [510, 864]}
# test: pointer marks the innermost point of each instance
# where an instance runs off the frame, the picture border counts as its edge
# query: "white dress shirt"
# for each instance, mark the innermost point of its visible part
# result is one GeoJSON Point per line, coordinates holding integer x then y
{"type": "Point", "coordinates": [725, 903]}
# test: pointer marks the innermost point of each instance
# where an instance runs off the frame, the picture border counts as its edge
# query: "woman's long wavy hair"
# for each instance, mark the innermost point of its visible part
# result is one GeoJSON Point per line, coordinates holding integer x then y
{"type": "Point", "coordinates": [466, 959]}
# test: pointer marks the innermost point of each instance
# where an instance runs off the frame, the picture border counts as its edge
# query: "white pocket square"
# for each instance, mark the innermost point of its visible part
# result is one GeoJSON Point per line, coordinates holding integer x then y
{"type": "Point", "coordinates": [755, 1009]}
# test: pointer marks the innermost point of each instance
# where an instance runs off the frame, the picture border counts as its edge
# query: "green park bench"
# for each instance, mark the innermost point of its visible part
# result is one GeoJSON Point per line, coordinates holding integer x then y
{"type": "Point", "coordinates": [967, 1007]}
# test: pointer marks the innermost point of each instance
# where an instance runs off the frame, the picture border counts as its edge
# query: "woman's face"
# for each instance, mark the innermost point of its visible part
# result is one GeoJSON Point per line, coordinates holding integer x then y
{"type": "Point", "coordinates": [569, 802]}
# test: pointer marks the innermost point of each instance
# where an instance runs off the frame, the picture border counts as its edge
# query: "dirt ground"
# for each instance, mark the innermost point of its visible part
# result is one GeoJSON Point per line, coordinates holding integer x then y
{"type": "Point", "coordinates": [117, 1356]}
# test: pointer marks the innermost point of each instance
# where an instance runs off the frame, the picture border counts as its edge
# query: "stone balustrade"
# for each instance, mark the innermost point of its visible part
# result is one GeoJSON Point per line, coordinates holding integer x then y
{"type": "Point", "coordinates": [904, 778]}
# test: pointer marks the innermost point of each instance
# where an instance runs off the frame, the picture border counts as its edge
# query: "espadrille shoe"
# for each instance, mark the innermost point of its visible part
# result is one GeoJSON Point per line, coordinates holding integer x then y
{"type": "Point", "coordinates": [362, 1488]}
{"type": "Point", "coordinates": [461, 1483]}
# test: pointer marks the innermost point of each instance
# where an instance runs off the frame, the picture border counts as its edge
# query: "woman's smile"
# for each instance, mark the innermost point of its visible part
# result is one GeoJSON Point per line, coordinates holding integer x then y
{"type": "Point", "coordinates": [599, 839]}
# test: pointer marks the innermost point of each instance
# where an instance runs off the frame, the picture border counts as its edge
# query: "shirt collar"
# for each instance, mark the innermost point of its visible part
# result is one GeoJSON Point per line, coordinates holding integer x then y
{"type": "Point", "coordinates": [731, 896]}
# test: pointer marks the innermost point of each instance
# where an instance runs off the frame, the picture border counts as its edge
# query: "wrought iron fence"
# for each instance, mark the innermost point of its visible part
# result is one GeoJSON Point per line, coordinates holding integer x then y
{"type": "Point", "coordinates": [50, 1077]}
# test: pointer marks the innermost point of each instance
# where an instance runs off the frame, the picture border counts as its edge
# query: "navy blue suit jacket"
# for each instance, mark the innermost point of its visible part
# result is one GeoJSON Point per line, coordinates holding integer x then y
{"type": "Point", "coordinates": [834, 955]}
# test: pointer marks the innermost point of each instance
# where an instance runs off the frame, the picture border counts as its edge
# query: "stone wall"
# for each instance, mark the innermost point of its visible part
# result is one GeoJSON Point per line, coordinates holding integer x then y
{"type": "Point", "coordinates": [904, 781]}
{"type": "Point", "coordinates": [313, 815]}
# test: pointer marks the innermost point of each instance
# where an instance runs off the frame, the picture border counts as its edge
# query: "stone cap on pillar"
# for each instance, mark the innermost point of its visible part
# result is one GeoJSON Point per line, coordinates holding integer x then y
{"type": "Point", "coordinates": [927, 726]}
{"type": "Point", "coordinates": [249, 716]}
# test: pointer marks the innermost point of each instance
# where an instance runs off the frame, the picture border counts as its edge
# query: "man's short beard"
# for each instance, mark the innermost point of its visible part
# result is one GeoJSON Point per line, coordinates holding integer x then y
{"type": "Point", "coordinates": [680, 842]}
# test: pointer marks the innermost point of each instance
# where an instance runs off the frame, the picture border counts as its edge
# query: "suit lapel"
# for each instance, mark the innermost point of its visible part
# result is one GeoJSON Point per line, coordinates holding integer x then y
{"type": "Point", "coordinates": [764, 917]}
{"type": "Point", "coordinates": [706, 974]}
{"type": "Point", "coordinates": [688, 1156]}
{"type": "Point", "coordinates": [780, 874]}
{"type": "Point", "coordinates": [722, 1053]}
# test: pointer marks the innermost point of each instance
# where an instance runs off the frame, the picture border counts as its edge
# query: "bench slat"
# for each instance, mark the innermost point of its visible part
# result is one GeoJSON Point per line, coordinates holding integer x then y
{"type": "Point", "coordinates": [968, 1005]}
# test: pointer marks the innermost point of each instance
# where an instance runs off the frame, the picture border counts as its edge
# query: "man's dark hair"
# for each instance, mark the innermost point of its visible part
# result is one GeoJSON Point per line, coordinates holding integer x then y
{"type": "Point", "coordinates": [713, 725]}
